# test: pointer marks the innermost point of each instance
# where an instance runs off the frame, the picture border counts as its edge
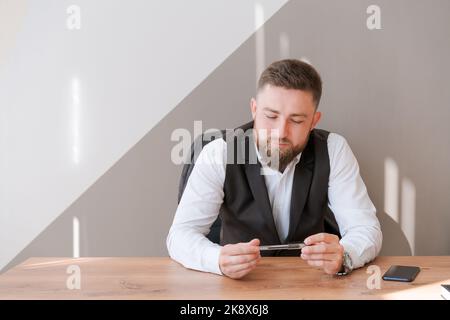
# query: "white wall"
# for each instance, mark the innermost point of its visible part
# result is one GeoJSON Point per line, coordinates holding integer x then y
{"type": "Point", "coordinates": [74, 101]}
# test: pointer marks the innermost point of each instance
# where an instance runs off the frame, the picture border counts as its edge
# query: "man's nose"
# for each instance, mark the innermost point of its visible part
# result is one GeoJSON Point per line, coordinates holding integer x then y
{"type": "Point", "coordinates": [282, 130]}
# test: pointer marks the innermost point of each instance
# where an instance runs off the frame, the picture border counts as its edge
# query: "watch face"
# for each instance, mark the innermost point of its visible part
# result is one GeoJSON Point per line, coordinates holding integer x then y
{"type": "Point", "coordinates": [347, 261]}
{"type": "Point", "coordinates": [347, 265]}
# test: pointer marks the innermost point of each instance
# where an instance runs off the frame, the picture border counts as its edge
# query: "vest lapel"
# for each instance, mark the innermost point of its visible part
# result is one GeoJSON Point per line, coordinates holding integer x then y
{"type": "Point", "coordinates": [300, 187]}
{"type": "Point", "coordinates": [259, 190]}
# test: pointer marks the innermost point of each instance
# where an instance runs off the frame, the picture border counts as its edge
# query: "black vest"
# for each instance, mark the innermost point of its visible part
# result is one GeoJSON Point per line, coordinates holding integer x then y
{"type": "Point", "coordinates": [246, 212]}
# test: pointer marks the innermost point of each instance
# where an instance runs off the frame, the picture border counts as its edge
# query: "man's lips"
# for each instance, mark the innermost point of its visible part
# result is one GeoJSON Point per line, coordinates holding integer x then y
{"type": "Point", "coordinates": [281, 144]}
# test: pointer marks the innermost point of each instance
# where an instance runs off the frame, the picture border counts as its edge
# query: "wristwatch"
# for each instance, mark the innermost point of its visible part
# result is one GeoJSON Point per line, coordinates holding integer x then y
{"type": "Point", "coordinates": [347, 265]}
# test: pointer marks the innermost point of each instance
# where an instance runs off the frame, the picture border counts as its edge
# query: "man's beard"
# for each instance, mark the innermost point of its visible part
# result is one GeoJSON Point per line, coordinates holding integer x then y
{"type": "Point", "coordinates": [285, 154]}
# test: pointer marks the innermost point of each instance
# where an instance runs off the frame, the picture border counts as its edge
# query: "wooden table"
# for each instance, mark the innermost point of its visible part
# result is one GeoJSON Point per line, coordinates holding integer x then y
{"type": "Point", "coordinates": [162, 278]}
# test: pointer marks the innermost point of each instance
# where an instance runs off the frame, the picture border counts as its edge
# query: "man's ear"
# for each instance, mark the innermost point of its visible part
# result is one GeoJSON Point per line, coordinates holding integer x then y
{"type": "Point", "coordinates": [316, 118]}
{"type": "Point", "coordinates": [253, 107]}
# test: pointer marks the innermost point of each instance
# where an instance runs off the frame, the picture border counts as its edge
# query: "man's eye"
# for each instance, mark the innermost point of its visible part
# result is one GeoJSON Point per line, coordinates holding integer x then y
{"type": "Point", "coordinates": [298, 122]}
{"type": "Point", "coordinates": [270, 117]}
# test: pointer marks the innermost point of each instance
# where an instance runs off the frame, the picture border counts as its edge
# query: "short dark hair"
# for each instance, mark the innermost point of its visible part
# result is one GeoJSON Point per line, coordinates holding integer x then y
{"type": "Point", "coordinates": [293, 74]}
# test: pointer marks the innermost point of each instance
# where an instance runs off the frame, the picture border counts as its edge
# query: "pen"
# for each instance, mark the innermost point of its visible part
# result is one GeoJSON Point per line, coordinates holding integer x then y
{"type": "Point", "coordinates": [289, 246]}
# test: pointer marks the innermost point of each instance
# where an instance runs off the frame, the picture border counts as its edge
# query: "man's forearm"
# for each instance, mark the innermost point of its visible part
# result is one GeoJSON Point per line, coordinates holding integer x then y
{"type": "Point", "coordinates": [193, 250]}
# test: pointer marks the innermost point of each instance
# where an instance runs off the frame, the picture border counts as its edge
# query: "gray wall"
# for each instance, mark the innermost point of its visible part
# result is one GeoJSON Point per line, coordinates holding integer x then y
{"type": "Point", "coordinates": [385, 90]}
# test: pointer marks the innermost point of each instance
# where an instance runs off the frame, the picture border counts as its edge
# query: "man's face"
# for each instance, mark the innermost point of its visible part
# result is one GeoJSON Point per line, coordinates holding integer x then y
{"type": "Point", "coordinates": [289, 111]}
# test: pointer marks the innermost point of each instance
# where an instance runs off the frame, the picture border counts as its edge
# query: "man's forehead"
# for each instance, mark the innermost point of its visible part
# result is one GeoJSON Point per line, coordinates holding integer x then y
{"type": "Point", "coordinates": [280, 99]}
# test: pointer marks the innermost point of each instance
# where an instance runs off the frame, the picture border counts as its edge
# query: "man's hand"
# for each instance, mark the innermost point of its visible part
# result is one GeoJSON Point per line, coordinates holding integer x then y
{"type": "Point", "coordinates": [324, 250]}
{"type": "Point", "coordinates": [236, 260]}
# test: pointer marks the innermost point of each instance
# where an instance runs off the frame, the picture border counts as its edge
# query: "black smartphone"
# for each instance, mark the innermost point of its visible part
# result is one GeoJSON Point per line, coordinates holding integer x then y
{"type": "Point", "coordinates": [401, 273]}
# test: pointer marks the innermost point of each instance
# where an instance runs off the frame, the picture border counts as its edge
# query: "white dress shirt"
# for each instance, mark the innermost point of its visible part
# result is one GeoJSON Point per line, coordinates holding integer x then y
{"type": "Point", "coordinates": [203, 197]}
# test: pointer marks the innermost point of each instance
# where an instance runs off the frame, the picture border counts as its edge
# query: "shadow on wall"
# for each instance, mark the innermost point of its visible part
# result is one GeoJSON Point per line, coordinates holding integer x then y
{"type": "Point", "coordinates": [398, 219]}
{"type": "Point", "coordinates": [393, 234]}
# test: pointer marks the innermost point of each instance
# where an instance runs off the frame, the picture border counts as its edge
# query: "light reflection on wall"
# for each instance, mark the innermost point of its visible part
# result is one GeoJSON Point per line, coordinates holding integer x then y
{"type": "Point", "coordinates": [260, 56]}
{"type": "Point", "coordinates": [408, 212]}
{"type": "Point", "coordinates": [391, 186]}
{"type": "Point", "coordinates": [284, 46]}
{"type": "Point", "coordinates": [76, 105]}
{"type": "Point", "coordinates": [400, 205]}
{"type": "Point", "coordinates": [76, 237]}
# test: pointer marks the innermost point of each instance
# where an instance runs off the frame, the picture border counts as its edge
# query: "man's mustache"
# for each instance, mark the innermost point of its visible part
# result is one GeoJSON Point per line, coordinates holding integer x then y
{"type": "Point", "coordinates": [282, 141]}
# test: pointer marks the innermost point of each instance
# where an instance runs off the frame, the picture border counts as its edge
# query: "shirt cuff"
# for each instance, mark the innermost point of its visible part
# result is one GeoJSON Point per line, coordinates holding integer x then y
{"type": "Point", "coordinates": [353, 253]}
{"type": "Point", "coordinates": [210, 259]}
